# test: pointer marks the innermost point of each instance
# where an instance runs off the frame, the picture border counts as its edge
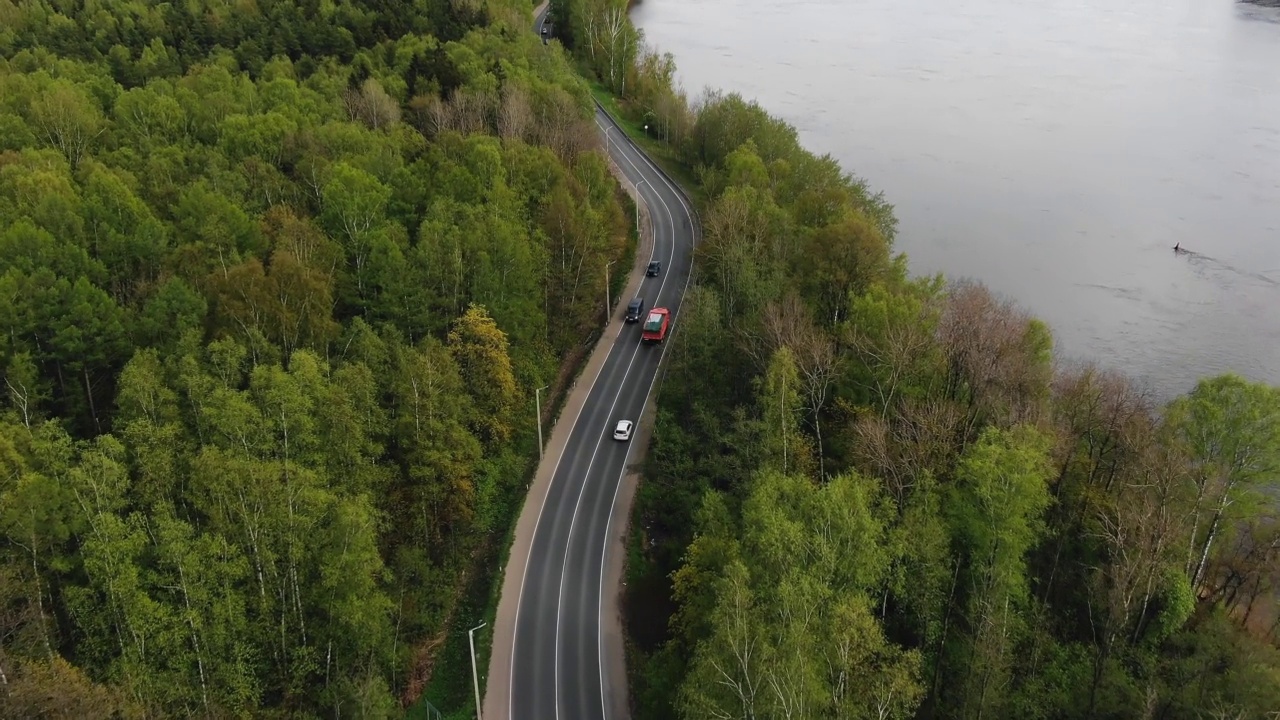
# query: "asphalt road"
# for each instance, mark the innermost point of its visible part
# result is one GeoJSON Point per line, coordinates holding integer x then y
{"type": "Point", "coordinates": [558, 667]}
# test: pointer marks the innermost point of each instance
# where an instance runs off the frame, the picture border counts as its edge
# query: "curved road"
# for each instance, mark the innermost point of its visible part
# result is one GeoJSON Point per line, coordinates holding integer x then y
{"type": "Point", "coordinates": [560, 667]}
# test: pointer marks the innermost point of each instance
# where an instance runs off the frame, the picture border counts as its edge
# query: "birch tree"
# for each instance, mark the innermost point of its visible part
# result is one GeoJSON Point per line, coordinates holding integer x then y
{"type": "Point", "coordinates": [726, 679]}
{"type": "Point", "coordinates": [69, 119]}
{"type": "Point", "coordinates": [619, 40]}
{"type": "Point", "coordinates": [25, 388]}
{"type": "Point", "coordinates": [354, 205]}
{"type": "Point", "coordinates": [781, 405]}
{"type": "Point", "coordinates": [891, 336]}
{"type": "Point", "coordinates": [996, 513]}
{"type": "Point", "coordinates": [1231, 429]}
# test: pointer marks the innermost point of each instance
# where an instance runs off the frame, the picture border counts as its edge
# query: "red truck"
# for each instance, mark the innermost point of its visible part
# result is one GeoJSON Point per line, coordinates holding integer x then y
{"type": "Point", "coordinates": [655, 326]}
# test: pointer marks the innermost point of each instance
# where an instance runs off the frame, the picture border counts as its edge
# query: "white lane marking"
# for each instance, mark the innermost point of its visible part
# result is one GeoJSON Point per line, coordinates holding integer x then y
{"type": "Point", "coordinates": [515, 632]}
{"type": "Point", "coordinates": [524, 575]}
{"type": "Point", "coordinates": [661, 176]}
{"type": "Point", "coordinates": [604, 550]}
{"type": "Point", "coordinates": [582, 488]}
{"type": "Point", "coordinates": [551, 482]}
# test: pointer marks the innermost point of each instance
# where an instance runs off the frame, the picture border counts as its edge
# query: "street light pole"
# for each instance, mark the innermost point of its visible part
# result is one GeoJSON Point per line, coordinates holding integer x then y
{"type": "Point", "coordinates": [638, 201]}
{"type": "Point", "coordinates": [608, 306]}
{"type": "Point", "coordinates": [537, 402]}
{"type": "Point", "coordinates": [475, 678]}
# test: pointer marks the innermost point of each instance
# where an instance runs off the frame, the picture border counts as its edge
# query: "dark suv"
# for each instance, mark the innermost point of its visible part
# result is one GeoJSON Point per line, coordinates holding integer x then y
{"type": "Point", "coordinates": [655, 267]}
{"type": "Point", "coordinates": [635, 309]}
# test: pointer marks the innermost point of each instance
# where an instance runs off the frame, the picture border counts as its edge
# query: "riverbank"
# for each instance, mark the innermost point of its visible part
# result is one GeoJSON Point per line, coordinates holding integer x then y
{"type": "Point", "coordinates": [701, 484]}
{"type": "Point", "coordinates": [1051, 178]}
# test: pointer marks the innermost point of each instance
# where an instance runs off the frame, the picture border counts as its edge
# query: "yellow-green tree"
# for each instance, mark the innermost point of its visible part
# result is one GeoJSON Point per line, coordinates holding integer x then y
{"type": "Point", "coordinates": [480, 349]}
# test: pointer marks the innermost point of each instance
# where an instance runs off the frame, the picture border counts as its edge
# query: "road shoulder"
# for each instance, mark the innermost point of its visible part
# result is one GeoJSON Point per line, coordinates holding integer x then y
{"type": "Point", "coordinates": [613, 591]}
{"type": "Point", "coordinates": [497, 696]}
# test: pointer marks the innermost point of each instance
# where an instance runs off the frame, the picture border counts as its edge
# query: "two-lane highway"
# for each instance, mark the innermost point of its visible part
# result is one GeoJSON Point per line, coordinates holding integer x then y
{"type": "Point", "coordinates": [558, 657]}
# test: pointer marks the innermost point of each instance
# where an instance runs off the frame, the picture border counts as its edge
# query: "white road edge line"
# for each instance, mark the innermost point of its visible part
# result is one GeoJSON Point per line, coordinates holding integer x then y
{"type": "Point", "coordinates": [538, 522]}
{"type": "Point", "coordinates": [604, 550]}
{"type": "Point", "coordinates": [515, 631]}
{"type": "Point", "coordinates": [524, 577]}
{"type": "Point", "coordinates": [582, 489]}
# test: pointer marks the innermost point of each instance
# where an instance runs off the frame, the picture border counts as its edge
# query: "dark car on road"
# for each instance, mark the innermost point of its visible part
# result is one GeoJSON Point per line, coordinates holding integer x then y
{"type": "Point", "coordinates": [655, 267]}
{"type": "Point", "coordinates": [635, 309]}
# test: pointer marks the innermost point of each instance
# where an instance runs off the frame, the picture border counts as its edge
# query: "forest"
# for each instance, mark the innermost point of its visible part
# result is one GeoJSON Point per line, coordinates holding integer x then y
{"type": "Point", "coordinates": [279, 279]}
{"type": "Point", "coordinates": [873, 495]}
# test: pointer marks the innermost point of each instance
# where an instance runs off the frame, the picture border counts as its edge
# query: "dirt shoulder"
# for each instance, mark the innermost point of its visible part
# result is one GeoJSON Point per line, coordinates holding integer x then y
{"type": "Point", "coordinates": [613, 623]}
{"type": "Point", "coordinates": [497, 696]}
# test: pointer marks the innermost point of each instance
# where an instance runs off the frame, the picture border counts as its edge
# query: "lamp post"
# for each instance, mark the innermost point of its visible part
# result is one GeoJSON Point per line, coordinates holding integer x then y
{"type": "Point", "coordinates": [475, 678]}
{"type": "Point", "coordinates": [537, 402]}
{"type": "Point", "coordinates": [608, 306]}
{"type": "Point", "coordinates": [638, 201]}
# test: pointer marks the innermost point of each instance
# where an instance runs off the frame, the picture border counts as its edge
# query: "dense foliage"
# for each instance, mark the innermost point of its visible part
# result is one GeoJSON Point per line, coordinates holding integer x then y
{"type": "Point", "coordinates": [278, 280]}
{"type": "Point", "coordinates": [882, 497]}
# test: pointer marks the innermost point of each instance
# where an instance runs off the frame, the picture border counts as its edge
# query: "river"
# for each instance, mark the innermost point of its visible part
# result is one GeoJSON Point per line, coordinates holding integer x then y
{"type": "Point", "coordinates": [1054, 149]}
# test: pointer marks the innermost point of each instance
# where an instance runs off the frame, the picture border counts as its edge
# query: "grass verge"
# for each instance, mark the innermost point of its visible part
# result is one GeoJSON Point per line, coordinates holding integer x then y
{"type": "Point", "coordinates": [660, 152]}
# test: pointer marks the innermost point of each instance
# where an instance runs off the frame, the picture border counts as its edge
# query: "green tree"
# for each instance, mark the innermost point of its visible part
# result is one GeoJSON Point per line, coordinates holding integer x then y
{"type": "Point", "coordinates": [781, 410]}
{"type": "Point", "coordinates": [213, 229]}
{"type": "Point", "coordinates": [122, 232]}
{"type": "Point", "coordinates": [891, 334]}
{"type": "Point", "coordinates": [174, 309]}
{"type": "Point", "coordinates": [354, 203]}
{"type": "Point", "coordinates": [840, 260]}
{"type": "Point", "coordinates": [56, 688]}
{"type": "Point", "coordinates": [1231, 429]}
{"type": "Point", "coordinates": [69, 120]}
{"type": "Point", "coordinates": [794, 634]}
{"type": "Point", "coordinates": [26, 390]}
{"type": "Point", "coordinates": [88, 342]}
{"type": "Point", "coordinates": [995, 511]}
{"type": "Point", "coordinates": [480, 350]}
{"type": "Point", "coordinates": [150, 116]}
{"type": "Point", "coordinates": [39, 185]}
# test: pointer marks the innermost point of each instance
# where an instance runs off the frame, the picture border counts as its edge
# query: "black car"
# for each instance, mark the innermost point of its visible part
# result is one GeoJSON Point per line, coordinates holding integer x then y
{"type": "Point", "coordinates": [635, 309]}
{"type": "Point", "coordinates": [655, 267]}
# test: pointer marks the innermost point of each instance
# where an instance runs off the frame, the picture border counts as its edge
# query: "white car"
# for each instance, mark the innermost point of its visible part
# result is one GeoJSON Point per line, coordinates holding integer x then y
{"type": "Point", "coordinates": [623, 430]}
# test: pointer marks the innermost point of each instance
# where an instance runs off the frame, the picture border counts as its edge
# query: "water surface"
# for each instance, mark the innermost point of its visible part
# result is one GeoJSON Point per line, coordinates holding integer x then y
{"type": "Point", "coordinates": [1054, 149]}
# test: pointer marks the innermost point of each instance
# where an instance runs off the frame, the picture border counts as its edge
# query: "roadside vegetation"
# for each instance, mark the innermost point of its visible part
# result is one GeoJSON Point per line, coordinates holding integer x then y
{"type": "Point", "coordinates": [883, 496]}
{"type": "Point", "coordinates": [277, 281]}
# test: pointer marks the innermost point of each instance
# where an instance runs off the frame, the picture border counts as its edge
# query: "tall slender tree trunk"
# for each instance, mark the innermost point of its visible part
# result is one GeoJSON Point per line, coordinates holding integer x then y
{"type": "Point", "coordinates": [942, 638]}
{"type": "Point", "coordinates": [822, 463]}
{"type": "Point", "coordinates": [35, 574]}
{"type": "Point", "coordinates": [1214, 524]}
{"type": "Point", "coordinates": [1195, 526]}
{"type": "Point", "coordinates": [88, 392]}
{"type": "Point", "coordinates": [195, 639]}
